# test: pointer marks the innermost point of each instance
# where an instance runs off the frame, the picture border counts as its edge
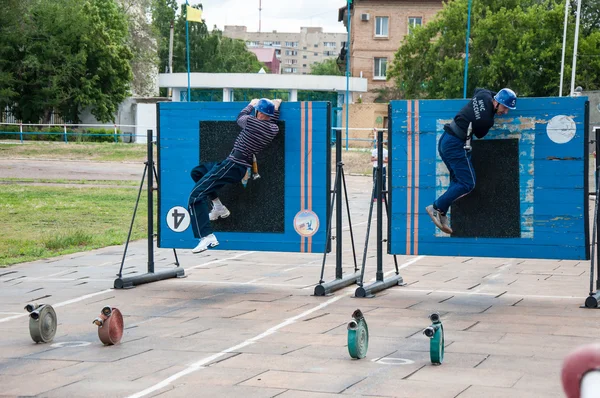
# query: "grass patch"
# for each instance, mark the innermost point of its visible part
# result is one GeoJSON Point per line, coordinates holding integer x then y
{"type": "Point", "coordinates": [42, 222]}
{"type": "Point", "coordinates": [68, 239]}
{"type": "Point", "coordinates": [101, 151]}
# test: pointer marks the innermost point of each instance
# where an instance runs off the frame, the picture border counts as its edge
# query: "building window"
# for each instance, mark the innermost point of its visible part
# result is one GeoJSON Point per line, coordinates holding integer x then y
{"type": "Point", "coordinates": [329, 44]}
{"type": "Point", "coordinates": [268, 44]}
{"type": "Point", "coordinates": [329, 53]}
{"type": "Point", "coordinates": [276, 44]}
{"type": "Point", "coordinates": [291, 44]}
{"type": "Point", "coordinates": [316, 45]}
{"type": "Point", "coordinates": [316, 54]}
{"type": "Point", "coordinates": [294, 70]}
{"type": "Point", "coordinates": [253, 43]}
{"type": "Point", "coordinates": [304, 65]}
{"type": "Point", "coordinates": [381, 26]}
{"type": "Point", "coordinates": [287, 70]}
{"type": "Point", "coordinates": [304, 56]}
{"type": "Point", "coordinates": [291, 52]}
{"type": "Point", "coordinates": [414, 21]}
{"type": "Point", "coordinates": [291, 61]}
{"type": "Point", "coordinates": [380, 69]}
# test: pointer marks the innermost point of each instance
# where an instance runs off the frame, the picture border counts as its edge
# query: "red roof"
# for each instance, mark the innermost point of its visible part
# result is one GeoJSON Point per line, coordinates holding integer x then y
{"type": "Point", "coordinates": [264, 54]}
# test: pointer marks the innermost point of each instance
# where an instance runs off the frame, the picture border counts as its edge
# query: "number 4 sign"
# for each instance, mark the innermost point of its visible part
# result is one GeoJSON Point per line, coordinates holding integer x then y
{"type": "Point", "coordinates": [178, 219]}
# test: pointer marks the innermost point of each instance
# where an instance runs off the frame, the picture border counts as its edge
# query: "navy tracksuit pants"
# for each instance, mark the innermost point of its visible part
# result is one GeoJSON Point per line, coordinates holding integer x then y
{"type": "Point", "coordinates": [209, 178]}
{"type": "Point", "coordinates": [462, 175]}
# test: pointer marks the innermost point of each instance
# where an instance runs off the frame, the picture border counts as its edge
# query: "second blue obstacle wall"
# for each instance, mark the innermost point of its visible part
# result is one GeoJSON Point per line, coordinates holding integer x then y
{"type": "Point", "coordinates": [306, 172]}
{"type": "Point", "coordinates": [550, 181]}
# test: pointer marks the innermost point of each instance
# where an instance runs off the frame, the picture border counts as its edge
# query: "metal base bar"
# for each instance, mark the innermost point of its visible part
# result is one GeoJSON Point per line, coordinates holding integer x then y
{"type": "Point", "coordinates": [368, 291]}
{"type": "Point", "coordinates": [323, 289]}
{"type": "Point", "coordinates": [124, 283]}
{"type": "Point", "coordinates": [592, 300]}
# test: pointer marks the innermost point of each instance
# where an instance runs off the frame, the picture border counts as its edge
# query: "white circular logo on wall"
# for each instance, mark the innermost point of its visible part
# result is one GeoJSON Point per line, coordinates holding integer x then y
{"type": "Point", "coordinates": [561, 129]}
{"type": "Point", "coordinates": [306, 223]}
{"type": "Point", "coordinates": [178, 219]}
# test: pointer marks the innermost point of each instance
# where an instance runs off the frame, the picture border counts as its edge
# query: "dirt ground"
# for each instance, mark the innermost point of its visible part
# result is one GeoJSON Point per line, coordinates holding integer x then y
{"type": "Point", "coordinates": [355, 162]}
{"type": "Point", "coordinates": [69, 170]}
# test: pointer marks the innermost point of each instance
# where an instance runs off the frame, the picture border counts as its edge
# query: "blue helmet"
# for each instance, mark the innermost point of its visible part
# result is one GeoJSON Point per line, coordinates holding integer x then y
{"type": "Point", "coordinates": [266, 106]}
{"type": "Point", "coordinates": [507, 97]}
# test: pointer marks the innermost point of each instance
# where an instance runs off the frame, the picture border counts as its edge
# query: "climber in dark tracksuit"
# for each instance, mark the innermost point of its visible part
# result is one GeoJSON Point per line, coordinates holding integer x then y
{"type": "Point", "coordinates": [455, 149]}
{"type": "Point", "coordinates": [257, 132]}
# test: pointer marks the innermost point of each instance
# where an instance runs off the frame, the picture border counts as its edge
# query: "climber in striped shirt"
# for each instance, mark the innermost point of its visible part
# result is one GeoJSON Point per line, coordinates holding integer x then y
{"type": "Point", "coordinates": [257, 132]}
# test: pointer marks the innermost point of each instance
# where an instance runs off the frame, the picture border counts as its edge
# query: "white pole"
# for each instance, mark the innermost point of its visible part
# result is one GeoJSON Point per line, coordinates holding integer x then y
{"type": "Point", "coordinates": [562, 63]}
{"type": "Point", "coordinates": [575, 48]}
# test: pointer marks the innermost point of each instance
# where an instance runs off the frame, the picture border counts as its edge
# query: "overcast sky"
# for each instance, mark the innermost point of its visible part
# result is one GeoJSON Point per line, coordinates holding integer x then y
{"type": "Point", "coordinates": [279, 15]}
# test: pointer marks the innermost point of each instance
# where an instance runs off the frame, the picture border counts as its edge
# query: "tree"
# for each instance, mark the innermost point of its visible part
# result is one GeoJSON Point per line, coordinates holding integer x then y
{"type": "Point", "coordinates": [142, 41]}
{"type": "Point", "coordinates": [10, 40]}
{"type": "Point", "coordinates": [327, 67]}
{"type": "Point", "coordinates": [164, 12]}
{"type": "Point", "coordinates": [67, 55]}
{"type": "Point", "coordinates": [590, 15]}
{"type": "Point", "coordinates": [514, 43]}
{"type": "Point", "coordinates": [108, 69]}
{"type": "Point", "coordinates": [209, 51]}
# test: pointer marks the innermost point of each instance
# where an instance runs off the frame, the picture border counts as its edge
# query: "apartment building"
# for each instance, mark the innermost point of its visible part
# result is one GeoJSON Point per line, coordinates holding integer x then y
{"type": "Point", "coordinates": [296, 51]}
{"type": "Point", "coordinates": [377, 29]}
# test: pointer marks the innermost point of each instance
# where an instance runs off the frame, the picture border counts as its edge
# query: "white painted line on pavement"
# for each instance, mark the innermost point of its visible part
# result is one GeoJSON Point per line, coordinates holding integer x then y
{"type": "Point", "coordinates": [486, 294]}
{"type": "Point", "coordinates": [219, 261]}
{"type": "Point", "coordinates": [406, 264]}
{"type": "Point", "coordinates": [202, 282]}
{"type": "Point", "coordinates": [62, 304]}
{"type": "Point", "coordinates": [200, 364]}
{"type": "Point", "coordinates": [253, 281]}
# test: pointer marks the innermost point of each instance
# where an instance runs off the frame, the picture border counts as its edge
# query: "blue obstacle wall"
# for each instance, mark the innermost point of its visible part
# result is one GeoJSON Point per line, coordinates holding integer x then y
{"type": "Point", "coordinates": [306, 179]}
{"type": "Point", "coordinates": [552, 178]}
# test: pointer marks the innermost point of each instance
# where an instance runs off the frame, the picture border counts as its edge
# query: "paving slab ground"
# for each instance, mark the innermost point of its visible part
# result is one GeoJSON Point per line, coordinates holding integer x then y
{"type": "Point", "coordinates": [245, 324]}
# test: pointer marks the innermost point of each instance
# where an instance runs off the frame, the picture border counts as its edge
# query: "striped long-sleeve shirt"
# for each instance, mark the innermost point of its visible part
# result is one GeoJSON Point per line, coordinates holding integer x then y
{"type": "Point", "coordinates": [255, 136]}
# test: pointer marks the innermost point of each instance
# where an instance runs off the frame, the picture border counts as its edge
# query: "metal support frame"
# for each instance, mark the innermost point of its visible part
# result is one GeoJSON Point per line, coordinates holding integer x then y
{"type": "Point", "coordinates": [593, 298]}
{"type": "Point", "coordinates": [340, 281]}
{"type": "Point", "coordinates": [380, 282]}
{"type": "Point", "coordinates": [150, 276]}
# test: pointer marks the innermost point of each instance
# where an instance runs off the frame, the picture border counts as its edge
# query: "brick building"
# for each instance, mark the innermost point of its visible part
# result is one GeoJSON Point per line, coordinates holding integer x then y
{"type": "Point", "coordinates": [378, 28]}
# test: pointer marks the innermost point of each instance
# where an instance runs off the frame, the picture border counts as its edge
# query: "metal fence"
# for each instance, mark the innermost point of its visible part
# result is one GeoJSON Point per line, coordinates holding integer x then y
{"type": "Point", "coordinates": [363, 137]}
{"type": "Point", "coordinates": [353, 137]}
{"type": "Point", "coordinates": [69, 132]}
{"type": "Point", "coordinates": [6, 116]}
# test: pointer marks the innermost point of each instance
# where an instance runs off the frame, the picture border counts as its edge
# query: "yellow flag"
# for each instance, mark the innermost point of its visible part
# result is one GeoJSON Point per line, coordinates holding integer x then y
{"type": "Point", "coordinates": [194, 14]}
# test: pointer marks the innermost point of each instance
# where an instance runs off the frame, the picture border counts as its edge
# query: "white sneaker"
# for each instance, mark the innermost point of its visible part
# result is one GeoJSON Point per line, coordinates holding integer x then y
{"type": "Point", "coordinates": [207, 242]}
{"type": "Point", "coordinates": [218, 212]}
